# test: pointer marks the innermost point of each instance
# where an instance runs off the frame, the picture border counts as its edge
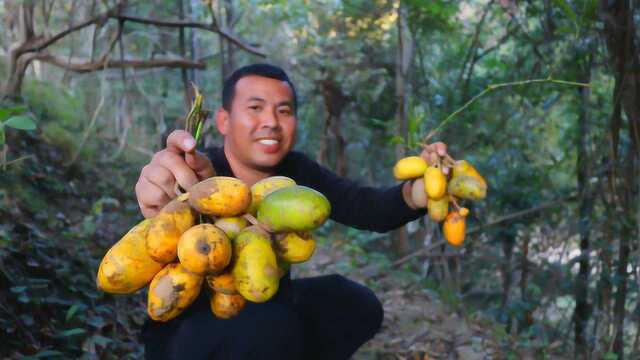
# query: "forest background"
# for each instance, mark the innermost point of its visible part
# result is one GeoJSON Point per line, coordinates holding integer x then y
{"type": "Point", "coordinates": [551, 264]}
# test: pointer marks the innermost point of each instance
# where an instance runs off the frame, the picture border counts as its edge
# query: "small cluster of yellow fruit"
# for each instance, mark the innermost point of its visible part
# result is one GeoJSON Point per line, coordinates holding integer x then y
{"type": "Point", "coordinates": [432, 189]}
{"type": "Point", "coordinates": [237, 240]}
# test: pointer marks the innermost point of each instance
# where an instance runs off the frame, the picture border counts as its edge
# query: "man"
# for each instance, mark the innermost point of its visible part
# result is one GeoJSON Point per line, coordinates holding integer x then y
{"type": "Point", "coordinates": [326, 317]}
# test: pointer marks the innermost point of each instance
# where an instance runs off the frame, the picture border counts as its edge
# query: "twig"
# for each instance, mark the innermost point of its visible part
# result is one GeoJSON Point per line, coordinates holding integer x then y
{"type": "Point", "coordinates": [424, 250]}
{"type": "Point", "coordinates": [22, 158]}
{"type": "Point", "coordinates": [494, 87]}
{"type": "Point", "coordinates": [85, 136]}
{"type": "Point", "coordinates": [522, 213]}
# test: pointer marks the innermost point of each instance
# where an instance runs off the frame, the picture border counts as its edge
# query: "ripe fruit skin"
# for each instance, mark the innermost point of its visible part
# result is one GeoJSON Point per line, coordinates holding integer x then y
{"type": "Point", "coordinates": [454, 228]}
{"type": "Point", "coordinates": [467, 187]}
{"type": "Point", "coordinates": [166, 228]}
{"type": "Point", "coordinates": [204, 249]}
{"type": "Point", "coordinates": [294, 247]}
{"type": "Point", "coordinates": [231, 225]}
{"type": "Point", "coordinates": [435, 183]}
{"type": "Point", "coordinates": [294, 208]}
{"type": "Point", "coordinates": [409, 167]}
{"type": "Point", "coordinates": [265, 187]}
{"type": "Point", "coordinates": [438, 209]}
{"type": "Point", "coordinates": [171, 291]}
{"type": "Point", "coordinates": [418, 195]}
{"type": "Point", "coordinates": [127, 267]}
{"type": "Point", "coordinates": [226, 306]}
{"type": "Point", "coordinates": [464, 168]}
{"type": "Point", "coordinates": [223, 283]}
{"type": "Point", "coordinates": [247, 235]}
{"type": "Point", "coordinates": [256, 271]}
{"type": "Point", "coordinates": [220, 196]}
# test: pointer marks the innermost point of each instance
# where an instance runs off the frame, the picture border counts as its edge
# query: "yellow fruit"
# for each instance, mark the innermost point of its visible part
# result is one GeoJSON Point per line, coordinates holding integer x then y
{"type": "Point", "coordinates": [265, 187]}
{"type": "Point", "coordinates": [127, 267]}
{"type": "Point", "coordinates": [295, 247]}
{"type": "Point", "coordinates": [221, 196]}
{"type": "Point", "coordinates": [247, 235]}
{"type": "Point", "coordinates": [464, 168]}
{"type": "Point", "coordinates": [225, 306]}
{"type": "Point", "coordinates": [438, 209]}
{"type": "Point", "coordinates": [410, 167]}
{"type": "Point", "coordinates": [166, 228]}
{"type": "Point", "coordinates": [418, 195]}
{"type": "Point", "coordinates": [171, 291]}
{"type": "Point", "coordinates": [223, 283]}
{"type": "Point", "coordinates": [454, 228]}
{"type": "Point", "coordinates": [294, 208]}
{"type": "Point", "coordinates": [204, 249]}
{"type": "Point", "coordinates": [256, 271]}
{"type": "Point", "coordinates": [435, 183]}
{"type": "Point", "coordinates": [231, 225]}
{"type": "Point", "coordinates": [467, 187]}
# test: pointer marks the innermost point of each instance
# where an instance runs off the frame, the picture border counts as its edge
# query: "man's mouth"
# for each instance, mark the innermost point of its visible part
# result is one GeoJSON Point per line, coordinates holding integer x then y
{"type": "Point", "coordinates": [269, 142]}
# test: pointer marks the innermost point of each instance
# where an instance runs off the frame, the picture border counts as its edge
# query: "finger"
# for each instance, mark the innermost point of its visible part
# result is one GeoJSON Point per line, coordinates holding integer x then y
{"type": "Point", "coordinates": [445, 170]}
{"type": "Point", "coordinates": [151, 198]}
{"type": "Point", "coordinates": [440, 148]}
{"type": "Point", "coordinates": [161, 177]}
{"type": "Point", "coordinates": [433, 158]}
{"type": "Point", "coordinates": [185, 176]}
{"type": "Point", "coordinates": [201, 164]}
{"type": "Point", "coordinates": [180, 141]}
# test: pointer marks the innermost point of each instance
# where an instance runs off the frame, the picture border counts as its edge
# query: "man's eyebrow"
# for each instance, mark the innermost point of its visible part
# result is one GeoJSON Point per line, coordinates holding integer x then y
{"type": "Point", "coordinates": [255, 98]}
{"type": "Point", "coordinates": [285, 103]}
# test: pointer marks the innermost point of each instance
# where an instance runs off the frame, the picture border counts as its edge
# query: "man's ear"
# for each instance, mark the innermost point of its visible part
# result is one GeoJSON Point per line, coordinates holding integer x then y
{"type": "Point", "coordinates": [222, 121]}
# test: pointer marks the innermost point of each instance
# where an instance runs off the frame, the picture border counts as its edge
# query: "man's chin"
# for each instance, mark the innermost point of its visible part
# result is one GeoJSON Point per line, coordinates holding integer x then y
{"type": "Point", "coordinates": [268, 162]}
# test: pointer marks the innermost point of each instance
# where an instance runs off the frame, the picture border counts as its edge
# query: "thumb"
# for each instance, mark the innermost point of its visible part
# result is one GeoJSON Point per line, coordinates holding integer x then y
{"type": "Point", "coordinates": [200, 164]}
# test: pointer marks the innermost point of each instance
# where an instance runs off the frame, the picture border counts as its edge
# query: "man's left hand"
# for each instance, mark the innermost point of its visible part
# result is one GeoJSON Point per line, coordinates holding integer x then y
{"type": "Point", "coordinates": [430, 154]}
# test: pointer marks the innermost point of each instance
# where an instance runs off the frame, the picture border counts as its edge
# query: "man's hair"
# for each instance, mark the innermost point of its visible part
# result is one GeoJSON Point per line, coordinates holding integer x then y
{"type": "Point", "coordinates": [264, 70]}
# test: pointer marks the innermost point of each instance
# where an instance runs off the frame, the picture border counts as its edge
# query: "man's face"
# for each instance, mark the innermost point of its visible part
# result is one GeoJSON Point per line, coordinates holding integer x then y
{"type": "Point", "coordinates": [260, 128]}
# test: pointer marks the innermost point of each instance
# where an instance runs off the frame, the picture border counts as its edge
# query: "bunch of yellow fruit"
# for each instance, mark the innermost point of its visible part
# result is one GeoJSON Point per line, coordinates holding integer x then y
{"type": "Point", "coordinates": [237, 240]}
{"type": "Point", "coordinates": [432, 189]}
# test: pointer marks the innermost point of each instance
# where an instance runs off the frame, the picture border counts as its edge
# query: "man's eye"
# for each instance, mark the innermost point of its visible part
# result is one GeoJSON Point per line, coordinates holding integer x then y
{"type": "Point", "coordinates": [285, 111]}
{"type": "Point", "coordinates": [254, 107]}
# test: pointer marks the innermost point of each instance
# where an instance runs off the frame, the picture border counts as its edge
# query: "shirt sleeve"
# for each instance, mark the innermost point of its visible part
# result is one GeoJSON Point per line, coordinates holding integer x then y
{"type": "Point", "coordinates": [352, 204]}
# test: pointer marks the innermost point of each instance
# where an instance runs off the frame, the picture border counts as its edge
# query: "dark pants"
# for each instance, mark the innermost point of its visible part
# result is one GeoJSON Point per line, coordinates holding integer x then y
{"type": "Point", "coordinates": [326, 317]}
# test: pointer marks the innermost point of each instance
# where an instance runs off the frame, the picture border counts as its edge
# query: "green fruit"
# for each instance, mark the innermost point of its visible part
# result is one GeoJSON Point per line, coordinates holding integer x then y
{"type": "Point", "coordinates": [467, 187]}
{"type": "Point", "coordinates": [294, 208]}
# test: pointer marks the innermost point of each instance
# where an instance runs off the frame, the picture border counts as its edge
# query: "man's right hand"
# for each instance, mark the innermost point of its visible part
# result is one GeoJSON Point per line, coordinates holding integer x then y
{"type": "Point", "coordinates": [178, 162]}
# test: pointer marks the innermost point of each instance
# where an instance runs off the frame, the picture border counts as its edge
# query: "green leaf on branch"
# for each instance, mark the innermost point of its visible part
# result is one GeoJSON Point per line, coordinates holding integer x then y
{"type": "Point", "coordinates": [6, 112]}
{"type": "Point", "coordinates": [21, 122]}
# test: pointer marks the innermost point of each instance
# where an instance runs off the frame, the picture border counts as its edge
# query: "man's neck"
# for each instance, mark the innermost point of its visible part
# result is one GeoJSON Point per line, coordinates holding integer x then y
{"type": "Point", "coordinates": [248, 175]}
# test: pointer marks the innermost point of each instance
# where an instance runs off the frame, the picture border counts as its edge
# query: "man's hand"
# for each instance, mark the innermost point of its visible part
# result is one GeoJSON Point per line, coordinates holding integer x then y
{"type": "Point", "coordinates": [178, 162]}
{"type": "Point", "coordinates": [430, 154]}
{"type": "Point", "coordinates": [433, 151]}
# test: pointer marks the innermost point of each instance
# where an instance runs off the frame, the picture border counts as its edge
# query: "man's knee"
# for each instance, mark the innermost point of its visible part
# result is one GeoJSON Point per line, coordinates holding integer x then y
{"type": "Point", "coordinates": [366, 305]}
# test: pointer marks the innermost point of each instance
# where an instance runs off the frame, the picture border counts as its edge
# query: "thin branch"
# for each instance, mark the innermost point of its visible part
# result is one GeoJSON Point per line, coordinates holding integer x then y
{"type": "Point", "coordinates": [197, 25]}
{"type": "Point", "coordinates": [494, 87]}
{"type": "Point", "coordinates": [96, 19]}
{"type": "Point", "coordinates": [102, 65]}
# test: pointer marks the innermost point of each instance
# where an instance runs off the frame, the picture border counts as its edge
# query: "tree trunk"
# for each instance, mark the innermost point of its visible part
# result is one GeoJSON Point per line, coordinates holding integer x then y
{"type": "Point", "coordinates": [582, 309]}
{"type": "Point", "coordinates": [619, 29]}
{"type": "Point", "coordinates": [403, 62]}
{"type": "Point", "coordinates": [181, 42]}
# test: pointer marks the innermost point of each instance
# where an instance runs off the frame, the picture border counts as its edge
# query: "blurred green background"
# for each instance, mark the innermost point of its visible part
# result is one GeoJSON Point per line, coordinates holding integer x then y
{"type": "Point", "coordinates": [551, 264]}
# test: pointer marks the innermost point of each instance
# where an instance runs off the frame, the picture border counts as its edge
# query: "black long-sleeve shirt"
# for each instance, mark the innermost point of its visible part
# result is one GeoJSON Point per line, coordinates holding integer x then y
{"type": "Point", "coordinates": [362, 207]}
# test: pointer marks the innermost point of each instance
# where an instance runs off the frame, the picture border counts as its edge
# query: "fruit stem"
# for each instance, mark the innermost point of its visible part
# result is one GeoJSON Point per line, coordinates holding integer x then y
{"type": "Point", "coordinates": [252, 219]}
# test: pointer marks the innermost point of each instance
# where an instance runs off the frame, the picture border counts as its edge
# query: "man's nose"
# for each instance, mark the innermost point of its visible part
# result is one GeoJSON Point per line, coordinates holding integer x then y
{"type": "Point", "coordinates": [270, 119]}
